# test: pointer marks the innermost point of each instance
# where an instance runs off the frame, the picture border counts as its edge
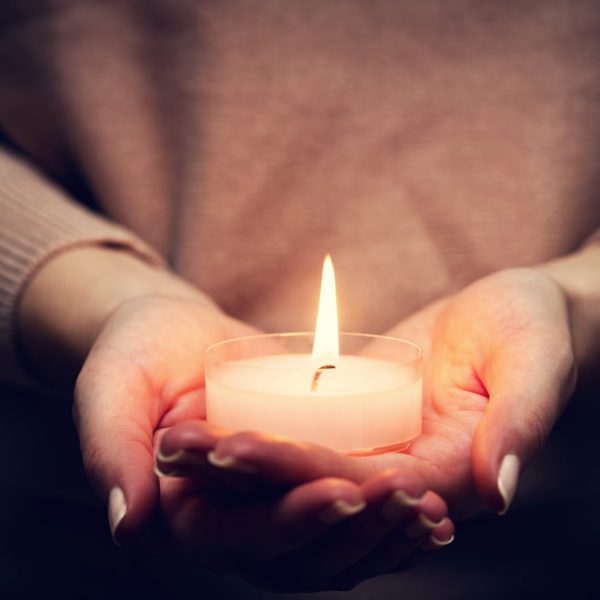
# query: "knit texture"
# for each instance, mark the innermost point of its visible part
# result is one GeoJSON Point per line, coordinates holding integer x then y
{"type": "Point", "coordinates": [423, 144]}
{"type": "Point", "coordinates": [38, 221]}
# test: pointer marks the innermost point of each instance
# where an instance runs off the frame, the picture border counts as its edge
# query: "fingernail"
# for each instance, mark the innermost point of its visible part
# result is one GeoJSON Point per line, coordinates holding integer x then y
{"type": "Point", "coordinates": [340, 510]}
{"type": "Point", "coordinates": [166, 465]}
{"type": "Point", "coordinates": [434, 543]}
{"type": "Point", "coordinates": [229, 462]}
{"type": "Point", "coordinates": [169, 471]}
{"type": "Point", "coordinates": [188, 457]}
{"type": "Point", "coordinates": [508, 476]}
{"type": "Point", "coordinates": [117, 509]}
{"type": "Point", "coordinates": [398, 504]}
{"type": "Point", "coordinates": [420, 526]}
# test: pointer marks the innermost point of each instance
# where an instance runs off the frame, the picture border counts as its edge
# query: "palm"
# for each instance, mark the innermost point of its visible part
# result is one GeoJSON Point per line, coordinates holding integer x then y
{"type": "Point", "coordinates": [156, 346]}
{"type": "Point", "coordinates": [442, 453]}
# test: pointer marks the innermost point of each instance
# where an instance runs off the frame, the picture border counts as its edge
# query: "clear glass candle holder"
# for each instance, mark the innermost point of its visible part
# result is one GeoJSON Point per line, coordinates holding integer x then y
{"type": "Point", "coordinates": [369, 403]}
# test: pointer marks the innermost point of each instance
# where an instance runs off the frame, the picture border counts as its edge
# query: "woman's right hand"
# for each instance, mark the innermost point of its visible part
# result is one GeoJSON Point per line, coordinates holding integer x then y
{"type": "Point", "coordinates": [133, 337]}
{"type": "Point", "coordinates": [143, 373]}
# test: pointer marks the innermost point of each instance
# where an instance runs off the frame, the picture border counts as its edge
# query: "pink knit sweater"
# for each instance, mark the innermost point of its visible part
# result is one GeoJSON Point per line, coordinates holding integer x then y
{"type": "Point", "coordinates": [424, 144]}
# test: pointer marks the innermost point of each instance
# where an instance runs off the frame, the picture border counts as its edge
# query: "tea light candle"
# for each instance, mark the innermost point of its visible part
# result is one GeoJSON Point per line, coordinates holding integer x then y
{"type": "Point", "coordinates": [365, 400]}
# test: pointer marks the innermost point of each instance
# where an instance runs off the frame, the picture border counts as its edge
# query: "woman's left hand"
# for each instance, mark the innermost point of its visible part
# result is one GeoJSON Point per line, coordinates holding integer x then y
{"type": "Point", "coordinates": [327, 533]}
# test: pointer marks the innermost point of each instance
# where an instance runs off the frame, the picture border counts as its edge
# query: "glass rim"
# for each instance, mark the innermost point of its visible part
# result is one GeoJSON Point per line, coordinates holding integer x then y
{"type": "Point", "coordinates": [209, 351]}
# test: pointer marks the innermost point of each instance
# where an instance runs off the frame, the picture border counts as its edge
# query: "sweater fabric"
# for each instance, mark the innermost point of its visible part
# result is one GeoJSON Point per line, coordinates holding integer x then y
{"type": "Point", "coordinates": [423, 144]}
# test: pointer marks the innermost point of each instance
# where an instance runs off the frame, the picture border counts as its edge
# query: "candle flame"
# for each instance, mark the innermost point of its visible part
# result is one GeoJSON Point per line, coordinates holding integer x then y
{"type": "Point", "coordinates": [326, 349]}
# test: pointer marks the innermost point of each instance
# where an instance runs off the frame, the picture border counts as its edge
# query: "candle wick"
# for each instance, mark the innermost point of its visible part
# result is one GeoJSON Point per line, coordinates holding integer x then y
{"type": "Point", "coordinates": [315, 379]}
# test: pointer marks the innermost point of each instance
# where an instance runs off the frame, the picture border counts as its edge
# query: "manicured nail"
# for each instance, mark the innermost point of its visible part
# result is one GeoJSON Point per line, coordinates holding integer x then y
{"type": "Point", "coordinates": [117, 509]}
{"type": "Point", "coordinates": [168, 471]}
{"type": "Point", "coordinates": [420, 526]}
{"type": "Point", "coordinates": [397, 505]}
{"type": "Point", "coordinates": [229, 462]}
{"type": "Point", "coordinates": [170, 458]}
{"type": "Point", "coordinates": [340, 510]}
{"type": "Point", "coordinates": [166, 465]}
{"type": "Point", "coordinates": [508, 476]}
{"type": "Point", "coordinates": [183, 456]}
{"type": "Point", "coordinates": [434, 543]}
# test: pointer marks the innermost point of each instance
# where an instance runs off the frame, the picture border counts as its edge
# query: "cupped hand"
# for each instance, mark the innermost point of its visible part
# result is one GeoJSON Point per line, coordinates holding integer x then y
{"type": "Point", "coordinates": [327, 533]}
{"type": "Point", "coordinates": [144, 372]}
{"type": "Point", "coordinates": [499, 369]}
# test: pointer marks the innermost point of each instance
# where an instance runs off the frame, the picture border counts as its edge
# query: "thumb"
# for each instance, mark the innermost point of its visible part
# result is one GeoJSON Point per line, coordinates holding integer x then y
{"type": "Point", "coordinates": [530, 380]}
{"type": "Point", "coordinates": [113, 417]}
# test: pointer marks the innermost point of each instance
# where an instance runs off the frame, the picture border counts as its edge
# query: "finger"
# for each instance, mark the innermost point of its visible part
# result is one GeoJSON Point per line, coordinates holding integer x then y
{"type": "Point", "coordinates": [183, 450]}
{"type": "Point", "coordinates": [316, 565]}
{"type": "Point", "coordinates": [394, 554]}
{"type": "Point", "coordinates": [188, 408]}
{"type": "Point", "coordinates": [115, 430]}
{"type": "Point", "coordinates": [284, 461]}
{"type": "Point", "coordinates": [249, 458]}
{"type": "Point", "coordinates": [300, 516]}
{"type": "Point", "coordinates": [187, 443]}
{"type": "Point", "coordinates": [428, 519]}
{"type": "Point", "coordinates": [190, 405]}
{"type": "Point", "coordinates": [246, 535]}
{"type": "Point", "coordinates": [440, 536]}
{"type": "Point", "coordinates": [531, 378]}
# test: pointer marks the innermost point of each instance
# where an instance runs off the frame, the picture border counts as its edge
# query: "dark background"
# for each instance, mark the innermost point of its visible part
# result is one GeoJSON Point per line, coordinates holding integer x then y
{"type": "Point", "coordinates": [55, 540]}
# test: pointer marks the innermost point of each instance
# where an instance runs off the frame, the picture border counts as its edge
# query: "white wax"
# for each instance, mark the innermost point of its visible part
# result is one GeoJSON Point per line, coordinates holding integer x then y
{"type": "Point", "coordinates": [363, 404]}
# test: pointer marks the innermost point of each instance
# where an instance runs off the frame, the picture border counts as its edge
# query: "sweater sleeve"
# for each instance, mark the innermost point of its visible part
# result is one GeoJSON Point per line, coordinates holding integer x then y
{"type": "Point", "coordinates": [37, 221]}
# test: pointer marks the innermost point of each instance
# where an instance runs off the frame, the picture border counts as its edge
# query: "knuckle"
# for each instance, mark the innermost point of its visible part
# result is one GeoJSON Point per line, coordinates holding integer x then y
{"type": "Point", "coordinates": [333, 488]}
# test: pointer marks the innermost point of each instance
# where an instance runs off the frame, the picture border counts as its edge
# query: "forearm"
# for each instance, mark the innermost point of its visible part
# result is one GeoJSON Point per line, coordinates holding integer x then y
{"type": "Point", "coordinates": [578, 275]}
{"type": "Point", "coordinates": [66, 303]}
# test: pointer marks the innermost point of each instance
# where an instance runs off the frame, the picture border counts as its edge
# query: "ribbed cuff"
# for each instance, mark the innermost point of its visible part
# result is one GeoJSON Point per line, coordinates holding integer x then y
{"type": "Point", "coordinates": [38, 221]}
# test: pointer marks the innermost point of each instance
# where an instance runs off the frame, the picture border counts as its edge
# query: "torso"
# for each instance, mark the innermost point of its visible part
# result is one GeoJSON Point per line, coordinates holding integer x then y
{"type": "Point", "coordinates": [424, 144]}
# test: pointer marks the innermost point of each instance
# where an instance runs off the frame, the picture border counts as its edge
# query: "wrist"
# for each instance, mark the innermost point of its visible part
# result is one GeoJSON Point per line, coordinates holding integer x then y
{"type": "Point", "coordinates": [578, 276]}
{"type": "Point", "coordinates": [66, 303]}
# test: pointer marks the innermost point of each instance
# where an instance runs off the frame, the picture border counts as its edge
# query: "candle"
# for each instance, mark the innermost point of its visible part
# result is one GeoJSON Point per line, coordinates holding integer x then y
{"type": "Point", "coordinates": [355, 393]}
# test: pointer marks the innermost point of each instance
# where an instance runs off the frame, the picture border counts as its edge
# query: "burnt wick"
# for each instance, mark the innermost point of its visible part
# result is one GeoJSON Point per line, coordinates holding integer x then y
{"type": "Point", "coordinates": [315, 379]}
